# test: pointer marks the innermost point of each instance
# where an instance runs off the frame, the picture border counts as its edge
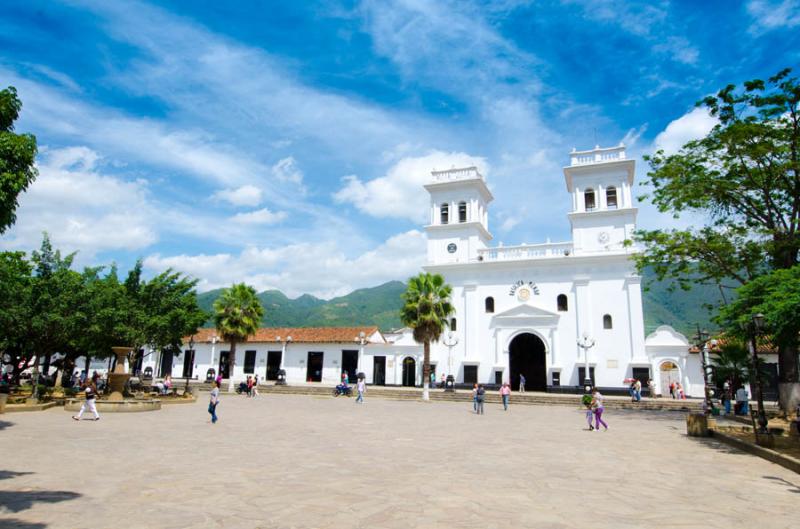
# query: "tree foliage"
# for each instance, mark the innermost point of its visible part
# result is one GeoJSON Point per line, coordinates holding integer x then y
{"type": "Point", "coordinates": [744, 176]}
{"type": "Point", "coordinates": [426, 310]}
{"type": "Point", "coordinates": [17, 155]}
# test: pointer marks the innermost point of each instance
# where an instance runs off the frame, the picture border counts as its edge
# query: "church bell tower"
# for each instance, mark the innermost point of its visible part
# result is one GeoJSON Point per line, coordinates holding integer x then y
{"type": "Point", "coordinates": [459, 216]}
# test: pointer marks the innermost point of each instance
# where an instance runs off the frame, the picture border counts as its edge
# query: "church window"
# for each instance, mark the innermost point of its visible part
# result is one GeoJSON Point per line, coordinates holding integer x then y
{"type": "Point", "coordinates": [561, 301]}
{"type": "Point", "coordinates": [588, 197]}
{"type": "Point", "coordinates": [445, 210]}
{"type": "Point", "coordinates": [453, 324]}
{"type": "Point", "coordinates": [611, 198]}
{"type": "Point", "coordinates": [490, 304]}
{"type": "Point", "coordinates": [607, 324]}
{"type": "Point", "coordinates": [462, 212]}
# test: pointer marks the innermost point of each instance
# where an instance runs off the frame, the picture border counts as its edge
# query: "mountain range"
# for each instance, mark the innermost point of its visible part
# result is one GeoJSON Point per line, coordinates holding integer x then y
{"type": "Point", "coordinates": [663, 304]}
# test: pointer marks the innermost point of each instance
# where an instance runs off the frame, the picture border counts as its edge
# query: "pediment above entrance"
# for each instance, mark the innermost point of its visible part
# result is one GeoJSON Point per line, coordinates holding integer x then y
{"type": "Point", "coordinates": [525, 313]}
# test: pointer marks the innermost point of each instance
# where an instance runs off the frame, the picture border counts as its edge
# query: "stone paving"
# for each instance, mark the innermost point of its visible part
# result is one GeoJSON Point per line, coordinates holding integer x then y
{"type": "Point", "coordinates": [316, 462]}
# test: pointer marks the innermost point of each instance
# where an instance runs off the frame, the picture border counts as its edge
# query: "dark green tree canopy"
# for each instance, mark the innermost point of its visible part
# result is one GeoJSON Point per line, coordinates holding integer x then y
{"type": "Point", "coordinates": [17, 155]}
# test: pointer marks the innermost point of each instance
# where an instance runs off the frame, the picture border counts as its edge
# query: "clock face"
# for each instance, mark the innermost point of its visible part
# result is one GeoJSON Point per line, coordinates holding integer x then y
{"type": "Point", "coordinates": [451, 248]}
{"type": "Point", "coordinates": [602, 237]}
{"type": "Point", "coordinates": [523, 294]}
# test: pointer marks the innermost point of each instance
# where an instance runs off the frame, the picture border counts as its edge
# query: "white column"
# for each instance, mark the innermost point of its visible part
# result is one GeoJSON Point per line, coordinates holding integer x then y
{"type": "Point", "coordinates": [635, 316]}
{"type": "Point", "coordinates": [469, 322]}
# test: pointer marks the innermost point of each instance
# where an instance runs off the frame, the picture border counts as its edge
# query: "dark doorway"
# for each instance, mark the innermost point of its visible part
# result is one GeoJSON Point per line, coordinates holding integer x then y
{"type": "Point", "coordinates": [379, 370]}
{"type": "Point", "coordinates": [470, 374]}
{"type": "Point", "coordinates": [137, 369]}
{"type": "Point", "coordinates": [350, 365]}
{"type": "Point", "coordinates": [498, 378]}
{"type": "Point", "coordinates": [314, 370]}
{"type": "Point", "coordinates": [223, 363]}
{"type": "Point", "coordinates": [582, 374]}
{"type": "Point", "coordinates": [188, 363]}
{"type": "Point", "coordinates": [249, 362]}
{"type": "Point", "coordinates": [166, 363]}
{"type": "Point", "coordinates": [528, 357]}
{"type": "Point", "coordinates": [409, 372]}
{"type": "Point", "coordinates": [273, 364]}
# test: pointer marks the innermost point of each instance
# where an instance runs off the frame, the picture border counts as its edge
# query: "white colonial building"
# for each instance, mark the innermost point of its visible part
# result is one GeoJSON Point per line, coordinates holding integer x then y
{"type": "Point", "coordinates": [519, 310]}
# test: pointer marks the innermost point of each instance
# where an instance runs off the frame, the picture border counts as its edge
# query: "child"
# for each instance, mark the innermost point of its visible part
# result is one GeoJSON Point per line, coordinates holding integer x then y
{"type": "Point", "coordinates": [587, 402]}
{"type": "Point", "coordinates": [212, 404]}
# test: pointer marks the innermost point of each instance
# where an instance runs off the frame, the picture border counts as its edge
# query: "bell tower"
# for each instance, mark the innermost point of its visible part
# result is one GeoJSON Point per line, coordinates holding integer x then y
{"type": "Point", "coordinates": [459, 216]}
{"type": "Point", "coordinates": [603, 215]}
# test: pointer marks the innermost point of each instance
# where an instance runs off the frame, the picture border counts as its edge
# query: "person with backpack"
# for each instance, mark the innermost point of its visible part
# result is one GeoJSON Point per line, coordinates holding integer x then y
{"type": "Point", "coordinates": [480, 395]}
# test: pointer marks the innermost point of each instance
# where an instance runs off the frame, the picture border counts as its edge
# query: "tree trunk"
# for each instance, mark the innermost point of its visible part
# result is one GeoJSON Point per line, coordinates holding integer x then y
{"type": "Point", "coordinates": [231, 363]}
{"type": "Point", "coordinates": [426, 370]}
{"type": "Point", "coordinates": [788, 386]}
{"type": "Point", "coordinates": [88, 361]}
{"type": "Point", "coordinates": [46, 367]}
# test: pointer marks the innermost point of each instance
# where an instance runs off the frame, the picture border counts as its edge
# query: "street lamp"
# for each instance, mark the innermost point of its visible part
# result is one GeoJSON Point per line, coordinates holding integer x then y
{"type": "Point", "coordinates": [191, 362]}
{"type": "Point", "coordinates": [362, 340]}
{"type": "Point", "coordinates": [586, 343]}
{"type": "Point", "coordinates": [756, 327]}
{"type": "Point", "coordinates": [451, 341]}
{"type": "Point", "coordinates": [701, 341]}
{"type": "Point", "coordinates": [281, 378]}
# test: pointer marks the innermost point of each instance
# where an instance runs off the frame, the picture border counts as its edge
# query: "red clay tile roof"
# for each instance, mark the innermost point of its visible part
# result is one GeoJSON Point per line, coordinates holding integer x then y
{"type": "Point", "coordinates": [298, 334]}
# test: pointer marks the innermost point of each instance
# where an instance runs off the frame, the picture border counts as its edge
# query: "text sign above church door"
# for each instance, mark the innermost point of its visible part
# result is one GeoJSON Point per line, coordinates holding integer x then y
{"type": "Point", "coordinates": [523, 290]}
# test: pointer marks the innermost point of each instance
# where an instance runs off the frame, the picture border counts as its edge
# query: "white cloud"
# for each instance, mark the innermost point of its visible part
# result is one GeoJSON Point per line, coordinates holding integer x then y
{"type": "Point", "coordinates": [322, 270]}
{"type": "Point", "coordinates": [399, 193]}
{"type": "Point", "coordinates": [247, 195]}
{"type": "Point", "coordinates": [260, 216]}
{"type": "Point", "coordinates": [768, 15]}
{"type": "Point", "coordinates": [679, 49]}
{"type": "Point", "coordinates": [690, 126]}
{"type": "Point", "coordinates": [81, 208]}
{"type": "Point", "coordinates": [286, 170]}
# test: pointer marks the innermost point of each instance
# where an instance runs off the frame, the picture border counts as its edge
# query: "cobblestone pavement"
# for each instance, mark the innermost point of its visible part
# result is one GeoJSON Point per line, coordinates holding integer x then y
{"type": "Point", "coordinates": [306, 462]}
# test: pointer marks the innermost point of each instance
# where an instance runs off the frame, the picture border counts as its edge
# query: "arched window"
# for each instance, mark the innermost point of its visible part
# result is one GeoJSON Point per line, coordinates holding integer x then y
{"type": "Point", "coordinates": [611, 197]}
{"type": "Point", "coordinates": [490, 304]}
{"type": "Point", "coordinates": [561, 301]}
{"type": "Point", "coordinates": [453, 324]}
{"type": "Point", "coordinates": [588, 199]}
{"type": "Point", "coordinates": [607, 322]}
{"type": "Point", "coordinates": [445, 210]}
{"type": "Point", "coordinates": [462, 212]}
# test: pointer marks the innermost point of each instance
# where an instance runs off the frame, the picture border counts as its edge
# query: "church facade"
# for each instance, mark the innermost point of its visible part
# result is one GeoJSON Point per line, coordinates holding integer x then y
{"type": "Point", "coordinates": [544, 311]}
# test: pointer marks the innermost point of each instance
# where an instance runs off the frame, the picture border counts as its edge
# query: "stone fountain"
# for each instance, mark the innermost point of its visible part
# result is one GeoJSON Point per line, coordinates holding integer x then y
{"type": "Point", "coordinates": [119, 378]}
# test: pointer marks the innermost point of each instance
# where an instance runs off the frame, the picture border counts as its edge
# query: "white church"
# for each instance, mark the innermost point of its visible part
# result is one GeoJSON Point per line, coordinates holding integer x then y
{"type": "Point", "coordinates": [545, 311]}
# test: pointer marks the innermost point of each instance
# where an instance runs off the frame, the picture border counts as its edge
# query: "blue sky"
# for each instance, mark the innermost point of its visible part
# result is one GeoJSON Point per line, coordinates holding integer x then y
{"type": "Point", "coordinates": [285, 143]}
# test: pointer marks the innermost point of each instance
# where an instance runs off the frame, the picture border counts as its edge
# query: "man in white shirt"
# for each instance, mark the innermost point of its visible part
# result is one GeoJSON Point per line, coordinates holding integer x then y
{"type": "Point", "coordinates": [742, 401]}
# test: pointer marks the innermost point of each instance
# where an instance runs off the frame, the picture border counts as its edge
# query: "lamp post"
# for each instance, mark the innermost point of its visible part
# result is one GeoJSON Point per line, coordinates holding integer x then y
{"type": "Point", "coordinates": [191, 362]}
{"type": "Point", "coordinates": [756, 327]}
{"type": "Point", "coordinates": [586, 343]}
{"type": "Point", "coordinates": [214, 339]}
{"type": "Point", "coordinates": [451, 341]}
{"type": "Point", "coordinates": [281, 381]}
{"type": "Point", "coordinates": [362, 340]}
{"type": "Point", "coordinates": [701, 341]}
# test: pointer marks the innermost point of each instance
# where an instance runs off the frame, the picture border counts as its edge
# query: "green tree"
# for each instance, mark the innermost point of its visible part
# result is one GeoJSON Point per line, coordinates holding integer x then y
{"type": "Point", "coordinates": [426, 310]}
{"type": "Point", "coordinates": [17, 155]}
{"type": "Point", "coordinates": [15, 311]}
{"type": "Point", "coordinates": [237, 315]}
{"type": "Point", "coordinates": [745, 177]}
{"type": "Point", "coordinates": [731, 363]}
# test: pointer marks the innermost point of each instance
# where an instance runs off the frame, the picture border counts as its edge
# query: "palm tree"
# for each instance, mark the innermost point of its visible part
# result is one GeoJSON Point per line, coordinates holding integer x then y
{"type": "Point", "coordinates": [426, 309]}
{"type": "Point", "coordinates": [731, 363]}
{"type": "Point", "coordinates": [237, 315]}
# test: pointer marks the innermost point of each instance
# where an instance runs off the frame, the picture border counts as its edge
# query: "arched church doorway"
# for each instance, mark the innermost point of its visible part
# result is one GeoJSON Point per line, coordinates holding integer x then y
{"type": "Point", "coordinates": [527, 356]}
{"type": "Point", "coordinates": [669, 374]}
{"type": "Point", "coordinates": [409, 372]}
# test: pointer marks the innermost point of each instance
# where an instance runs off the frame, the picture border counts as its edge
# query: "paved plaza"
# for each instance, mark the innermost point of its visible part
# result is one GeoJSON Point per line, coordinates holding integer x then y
{"type": "Point", "coordinates": [314, 462]}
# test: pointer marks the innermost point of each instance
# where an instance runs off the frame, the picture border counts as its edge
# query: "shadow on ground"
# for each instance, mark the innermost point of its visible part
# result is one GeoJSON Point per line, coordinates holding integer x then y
{"type": "Point", "coordinates": [12, 523]}
{"type": "Point", "coordinates": [16, 501]}
{"type": "Point", "coordinates": [710, 442]}
{"type": "Point", "coordinates": [8, 474]}
{"type": "Point", "coordinates": [5, 424]}
{"type": "Point", "coordinates": [791, 487]}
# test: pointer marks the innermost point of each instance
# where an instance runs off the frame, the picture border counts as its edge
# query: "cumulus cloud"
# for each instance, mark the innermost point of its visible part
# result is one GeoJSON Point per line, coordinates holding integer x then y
{"type": "Point", "coordinates": [247, 195]}
{"type": "Point", "coordinates": [399, 193]}
{"type": "Point", "coordinates": [260, 216]}
{"type": "Point", "coordinates": [768, 15]}
{"type": "Point", "coordinates": [690, 126]}
{"type": "Point", "coordinates": [322, 270]}
{"type": "Point", "coordinates": [82, 208]}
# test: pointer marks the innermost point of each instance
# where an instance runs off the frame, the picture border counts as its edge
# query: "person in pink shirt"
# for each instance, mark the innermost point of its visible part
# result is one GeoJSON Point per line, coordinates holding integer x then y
{"type": "Point", "coordinates": [505, 393]}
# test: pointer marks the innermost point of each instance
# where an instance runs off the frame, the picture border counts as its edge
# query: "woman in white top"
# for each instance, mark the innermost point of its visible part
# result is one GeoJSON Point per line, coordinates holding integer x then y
{"type": "Point", "coordinates": [212, 404]}
{"type": "Point", "coordinates": [597, 407]}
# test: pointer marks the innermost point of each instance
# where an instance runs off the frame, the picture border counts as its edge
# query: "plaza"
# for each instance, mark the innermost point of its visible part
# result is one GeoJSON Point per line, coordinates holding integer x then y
{"type": "Point", "coordinates": [287, 461]}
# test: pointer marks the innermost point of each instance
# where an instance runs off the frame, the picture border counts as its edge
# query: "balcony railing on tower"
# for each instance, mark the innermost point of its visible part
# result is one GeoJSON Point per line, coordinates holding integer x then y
{"type": "Point", "coordinates": [597, 155]}
{"type": "Point", "coordinates": [525, 251]}
{"type": "Point", "coordinates": [449, 175]}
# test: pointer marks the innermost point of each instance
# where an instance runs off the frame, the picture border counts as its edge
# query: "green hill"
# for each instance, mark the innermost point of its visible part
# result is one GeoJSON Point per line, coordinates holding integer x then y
{"type": "Point", "coordinates": [380, 306]}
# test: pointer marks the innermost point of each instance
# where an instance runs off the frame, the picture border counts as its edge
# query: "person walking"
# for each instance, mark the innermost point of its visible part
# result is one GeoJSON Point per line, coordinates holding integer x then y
{"type": "Point", "coordinates": [672, 389]}
{"type": "Point", "coordinates": [89, 404]}
{"type": "Point", "coordinates": [249, 386]}
{"type": "Point", "coordinates": [480, 395]}
{"type": "Point", "coordinates": [361, 388]}
{"type": "Point", "coordinates": [597, 407]}
{"type": "Point", "coordinates": [255, 386]}
{"type": "Point", "coordinates": [587, 402]}
{"type": "Point", "coordinates": [505, 394]}
{"type": "Point", "coordinates": [521, 383]}
{"type": "Point", "coordinates": [742, 399]}
{"type": "Point", "coordinates": [637, 390]}
{"type": "Point", "coordinates": [651, 386]}
{"type": "Point", "coordinates": [213, 402]}
{"type": "Point", "coordinates": [475, 397]}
